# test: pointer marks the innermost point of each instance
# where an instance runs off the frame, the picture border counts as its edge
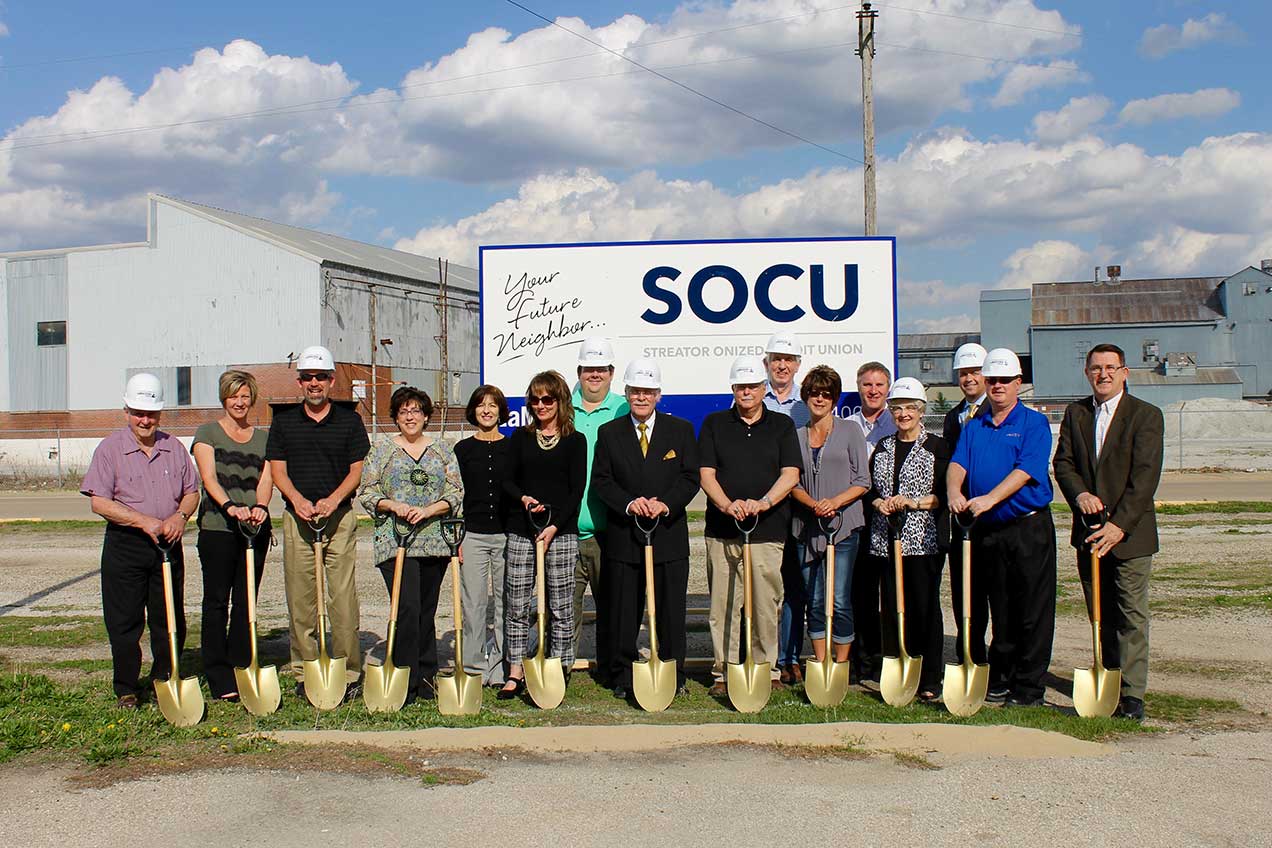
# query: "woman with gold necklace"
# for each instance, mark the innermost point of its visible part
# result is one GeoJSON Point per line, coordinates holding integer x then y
{"type": "Point", "coordinates": [546, 474]}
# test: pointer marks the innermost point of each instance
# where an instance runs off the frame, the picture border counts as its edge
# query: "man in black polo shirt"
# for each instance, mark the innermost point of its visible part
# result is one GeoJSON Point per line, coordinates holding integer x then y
{"type": "Point", "coordinates": [750, 462]}
{"type": "Point", "coordinates": [315, 454]}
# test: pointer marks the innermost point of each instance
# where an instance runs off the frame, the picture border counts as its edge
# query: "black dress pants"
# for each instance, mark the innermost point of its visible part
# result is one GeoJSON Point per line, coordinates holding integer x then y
{"type": "Point", "coordinates": [1019, 558]}
{"type": "Point", "coordinates": [222, 556]}
{"type": "Point", "coordinates": [671, 586]}
{"type": "Point", "coordinates": [132, 594]}
{"type": "Point", "coordinates": [867, 654]}
{"type": "Point", "coordinates": [980, 603]}
{"type": "Point", "coordinates": [415, 644]}
{"type": "Point", "coordinates": [924, 626]}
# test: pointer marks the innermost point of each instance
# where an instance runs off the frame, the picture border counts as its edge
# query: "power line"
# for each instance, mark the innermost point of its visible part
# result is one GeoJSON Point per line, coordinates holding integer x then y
{"type": "Point", "coordinates": [891, 7]}
{"type": "Point", "coordinates": [689, 88]}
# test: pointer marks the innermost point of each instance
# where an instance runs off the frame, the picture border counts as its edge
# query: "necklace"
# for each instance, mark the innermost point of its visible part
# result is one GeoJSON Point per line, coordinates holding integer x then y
{"type": "Point", "coordinates": [546, 442]}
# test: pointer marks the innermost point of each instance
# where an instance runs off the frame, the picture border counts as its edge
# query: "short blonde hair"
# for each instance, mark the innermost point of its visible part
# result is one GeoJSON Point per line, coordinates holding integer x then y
{"type": "Point", "coordinates": [232, 381]}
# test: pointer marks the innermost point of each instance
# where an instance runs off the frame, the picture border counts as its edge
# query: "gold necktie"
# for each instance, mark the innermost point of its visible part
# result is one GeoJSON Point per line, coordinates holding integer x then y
{"type": "Point", "coordinates": [971, 412]}
{"type": "Point", "coordinates": [644, 440]}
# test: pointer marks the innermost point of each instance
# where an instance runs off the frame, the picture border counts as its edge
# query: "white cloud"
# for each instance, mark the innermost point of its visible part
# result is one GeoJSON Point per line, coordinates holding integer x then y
{"type": "Point", "coordinates": [4, 30]}
{"type": "Point", "coordinates": [1206, 103]}
{"type": "Point", "coordinates": [1045, 261]}
{"type": "Point", "coordinates": [1023, 79]}
{"type": "Point", "coordinates": [1160, 40]}
{"type": "Point", "coordinates": [1070, 121]}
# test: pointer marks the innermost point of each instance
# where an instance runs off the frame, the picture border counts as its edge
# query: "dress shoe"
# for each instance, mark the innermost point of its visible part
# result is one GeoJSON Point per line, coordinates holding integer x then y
{"type": "Point", "coordinates": [1023, 701]}
{"type": "Point", "coordinates": [719, 689]}
{"type": "Point", "coordinates": [127, 702]}
{"type": "Point", "coordinates": [622, 692]}
{"type": "Point", "coordinates": [797, 673]}
{"type": "Point", "coordinates": [785, 675]}
{"type": "Point", "coordinates": [300, 689]}
{"type": "Point", "coordinates": [997, 695]}
{"type": "Point", "coordinates": [1132, 708]}
{"type": "Point", "coordinates": [682, 691]}
{"type": "Point", "coordinates": [778, 685]}
{"type": "Point", "coordinates": [352, 693]}
{"type": "Point", "coordinates": [518, 685]}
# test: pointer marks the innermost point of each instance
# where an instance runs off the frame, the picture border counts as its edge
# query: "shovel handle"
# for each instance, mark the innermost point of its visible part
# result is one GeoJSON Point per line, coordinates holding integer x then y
{"type": "Point", "coordinates": [532, 513]}
{"type": "Point", "coordinates": [830, 587]}
{"type": "Point", "coordinates": [453, 531]}
{"type": "Point", "coordinates": [647, 531]}
{"type": "Point", "coordinates": [746, 593]}
{"type": "Point", "coordinates": [169, 608]}
{"type": "Point", "coordinates": [459, 616]}
{"type": "Point", "coordinates": [830, 525]}
{"type": "Point", "coordinates": [897, 557]}
{"type": "Point", "coordinates": [540, 551]}
{"type": "Point", "coordinates": [964, 521]}
{"type": "Point", "coordinates": [1095, 587]}
{"type": "Point", "coordinates": [404, 538]}
{"type": "Point", "coordinates": [745, 529]}
{"type": "Point", "coordinates": [396, 594]}
{"type": "Point", "coordinates": [649, 601]}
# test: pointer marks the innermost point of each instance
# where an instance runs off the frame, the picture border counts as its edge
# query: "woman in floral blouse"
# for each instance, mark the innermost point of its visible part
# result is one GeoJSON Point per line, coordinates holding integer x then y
{"type": "Point", "coordinates": [412, 478]}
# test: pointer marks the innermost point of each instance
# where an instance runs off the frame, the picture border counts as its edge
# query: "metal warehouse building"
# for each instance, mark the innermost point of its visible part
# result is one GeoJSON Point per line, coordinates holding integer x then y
{"type": "Point", "coordinates": [210, 289]}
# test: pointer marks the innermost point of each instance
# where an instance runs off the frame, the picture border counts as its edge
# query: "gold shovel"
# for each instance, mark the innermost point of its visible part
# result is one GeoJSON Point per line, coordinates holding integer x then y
{"type": "Point", "coordinates": [545, 678]}
{"type": "Point", "coordinates": [749, 682]}
{"type": "Point", "coordinates": [460, 692]}
{"type": "Point", "coordinates": [963, 689]}
{"type": "Point", "coordinates": [653, 682]}
{"type": "Point", "coordinates": [826, 681]}
{"type": "Point", "coordinates": [324, 677]}
{"type": "Point", "coordinates": [258, 688]}
{"type": "Point", "coordinates": [384, 686]}
{"type": "Point", "coordinates": [1096, 690]}
{"type": "Point", "coordinates": [180, 701]}
{"type": "Point", "coordinates": [899, 680]}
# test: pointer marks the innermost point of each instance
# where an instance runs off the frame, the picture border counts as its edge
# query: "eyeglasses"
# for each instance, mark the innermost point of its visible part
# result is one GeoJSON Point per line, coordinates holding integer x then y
{"type": "Point", "coordinates": [903, 407]}
{"type": "Point", "coordinates": [1096, 370]}
{"type": "Point", "coordinates": [821, 393]}
{"type": "Point", "coordinates": [636, 391]}
{"type": "Point", "coordinates": [142, 413]}
{"type": "Point", "coordinates": [1001, 381]}
{"type": "Point", "coordinates": [312, 378]}
{"type": "Point", "coordinates": [413, 411]}
{"type": "Point", "coordinates": [542, 400]}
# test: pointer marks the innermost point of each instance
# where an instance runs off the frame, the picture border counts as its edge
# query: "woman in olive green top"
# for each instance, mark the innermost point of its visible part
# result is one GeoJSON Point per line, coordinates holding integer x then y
{"type": "Point", "coordinates": [230, 455]}
{"type": "Point", "coordinates": [412, 477]}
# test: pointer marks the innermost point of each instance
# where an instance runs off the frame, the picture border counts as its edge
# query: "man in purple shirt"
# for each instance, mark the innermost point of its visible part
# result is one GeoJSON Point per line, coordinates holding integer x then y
{"type": "Point", "coordinates": [143, 483]}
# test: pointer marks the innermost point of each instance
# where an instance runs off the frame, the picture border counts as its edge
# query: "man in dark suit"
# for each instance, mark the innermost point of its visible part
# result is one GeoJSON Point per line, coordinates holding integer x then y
{"type": "Point", "coordinates": [646, 466]}
{"type": "Point", "coordinates": [968, 360]}
{"type": "Point", "coordinates": [1109, 461]}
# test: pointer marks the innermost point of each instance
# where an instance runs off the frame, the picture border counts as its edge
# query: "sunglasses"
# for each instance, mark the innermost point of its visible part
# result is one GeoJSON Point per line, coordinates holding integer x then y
{"type": "Point", "coordinates": [1000, 381]}
{"type": "Point", "coordinates": [542, 400]}
{"type": "Point", "coordinates": [312, 378]}
{"type": "Point", "coordinates": [821, 393]}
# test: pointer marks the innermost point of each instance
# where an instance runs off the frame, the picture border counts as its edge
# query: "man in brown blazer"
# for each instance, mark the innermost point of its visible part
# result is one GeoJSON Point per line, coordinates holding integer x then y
{"type": "Point", "coordinates": [1108, 462]}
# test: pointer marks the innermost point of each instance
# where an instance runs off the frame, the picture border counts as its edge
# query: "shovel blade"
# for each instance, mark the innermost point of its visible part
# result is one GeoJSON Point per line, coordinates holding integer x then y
{"type": "Point", "coordinates": [458, 693]}
{"type": "Point", "coordinates": [545, 680]}
{"type": "Point", "coordinates": [654, 684]}
{"type": "Point", "coordinates": [258, 688]}
{"type": "Point", "coordinates": [826, 682]}
{"type": "Point", "coordinates": [899, 680]}
{"type": "Point", "coordinates": [1096, 691]}
{"type": "Point", "coordinates": [384, 687]}
{"type": "Point", "coordinates": [325, 682]}
{"type": "Point", "coordinates": [180, 700]}
{"type": "Point", "coordinates": [964, 687]}
{"type": "Point", "coordinates": [750, 685]}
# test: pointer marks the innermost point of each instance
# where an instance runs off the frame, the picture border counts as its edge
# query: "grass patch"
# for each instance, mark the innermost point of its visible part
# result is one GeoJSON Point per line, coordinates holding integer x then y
{"type": "Point", "coordinates": [86, 666]}
{"type": "Point", "coordinates": [914, 760]}
{"type": "Point", "coordinates": [51, 631]}
{"type": "Point", "coordinates": [1210, 669]}
{"type": "Point", "coordinates": [1182, 709]}
{"type": "Point", "coordinates": [1220, 507]}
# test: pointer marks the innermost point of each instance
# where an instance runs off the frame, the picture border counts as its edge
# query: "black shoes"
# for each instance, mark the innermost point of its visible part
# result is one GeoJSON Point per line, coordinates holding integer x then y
{"type": "Point", "coordinates": [622, 692]}
{"type": "Point", "coordinates": [127, 702]}
{"type": "Point", "coordinates": [1132, 708]}
{"type": "Point", "coordinates": [998, 695]}
{"type": "Point", "coordinates": [1023, 701]}
{"type": "Point", "coordinates": [518, 686]}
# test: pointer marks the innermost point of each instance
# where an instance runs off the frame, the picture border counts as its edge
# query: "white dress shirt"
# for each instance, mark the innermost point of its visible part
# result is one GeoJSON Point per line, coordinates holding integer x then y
{"type": "Point", "coordinates": [649, 426]}
{"type": "Point", "coordinates": [1103, 418]}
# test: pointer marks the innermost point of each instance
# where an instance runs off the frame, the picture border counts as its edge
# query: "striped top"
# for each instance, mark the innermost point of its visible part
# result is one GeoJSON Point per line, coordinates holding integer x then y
{"type": "Point", "coordinates": [238, 471]}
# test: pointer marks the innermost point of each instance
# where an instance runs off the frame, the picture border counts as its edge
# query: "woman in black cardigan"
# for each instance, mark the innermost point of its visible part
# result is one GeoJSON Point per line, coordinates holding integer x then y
{"type": "Point", "coordinates": [546, 474]}
{"type": "Point", "coordinates": [907, 473]}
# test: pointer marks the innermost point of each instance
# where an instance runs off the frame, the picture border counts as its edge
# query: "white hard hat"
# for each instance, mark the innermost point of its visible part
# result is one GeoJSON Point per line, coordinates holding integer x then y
{"type": "Point", "coordinates": [907, 388]}
{"type": "Point", "coordinates": [643, 374]}
{"type": "Point", "coordinates": [970, 355]}
{"type": "Point", "coordinates": [144, 393]}
{"type": "Point", "coordinates": [596, 352]}
{"type": "Point", "coordinates": [1001, 362]}
{"type": "Point", "coordinates": [786, 343]}
{"type": "Point", "coordinates": [315, 358]}
{"type": "Point", "coordinates": [747, 370]}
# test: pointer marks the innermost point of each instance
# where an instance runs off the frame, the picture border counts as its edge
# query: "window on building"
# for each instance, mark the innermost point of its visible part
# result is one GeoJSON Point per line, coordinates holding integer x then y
{"type": "Point", "coordinates": [183, 385]}
{"type": "Point", "coordinates": [1151, 350]}
{"type": "Point", "coordinates": [1080, 349]}
{"type": "Point", "coordinates": [925, 365]}
{"type": "Point", "coordinates": [49, 333]}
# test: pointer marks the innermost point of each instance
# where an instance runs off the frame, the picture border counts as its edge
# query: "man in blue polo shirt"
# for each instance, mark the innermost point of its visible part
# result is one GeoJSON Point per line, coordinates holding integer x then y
{"type": "Point", "coordinates": [1004, 459]}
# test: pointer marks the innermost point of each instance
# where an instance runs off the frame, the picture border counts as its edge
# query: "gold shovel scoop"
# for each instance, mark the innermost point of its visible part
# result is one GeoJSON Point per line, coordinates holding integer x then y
{"type": "Point", "coordinates": [180, 701]}
{"type": "Point", "coordinates": [458, 693]}
{"type": "Point", "coordinates": [545, 677]}
{"type": "Point", "coordinates": [899, 680]}
{"type": "Point", "coordinates": [324, 677]}
{"type": "Point", "coordinates": [258, 688]}
{"type": "Point", "coordinates": [653, 682]}
{"type": "Point", "coordinates": [384, 686]}
{"type": "Point", "coordinates": [1096, 690]}
{"type": "Point", "coordinates": [826, 681]}
{"type": "Point", "coordinates": [749, 682]}
{"type": "Point", "coordinates": [965, 684]}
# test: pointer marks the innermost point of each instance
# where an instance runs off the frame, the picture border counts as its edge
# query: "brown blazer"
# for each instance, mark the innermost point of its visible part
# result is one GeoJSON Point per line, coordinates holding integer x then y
{"type": "Point", "coordinates": [1125, 478]}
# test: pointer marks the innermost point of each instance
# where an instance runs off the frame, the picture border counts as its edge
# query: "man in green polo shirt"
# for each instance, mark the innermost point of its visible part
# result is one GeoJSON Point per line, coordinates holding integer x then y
{"type": "Point", "coordinates": [594, 405]}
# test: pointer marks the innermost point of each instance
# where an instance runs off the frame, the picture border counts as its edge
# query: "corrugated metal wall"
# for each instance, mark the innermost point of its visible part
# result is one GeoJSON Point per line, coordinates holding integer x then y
{"type": "Point", "coordinates": [202, 296]}
{"type": "Point", "coordinates": [35, 292]}
{"type": "Point", "coordinates": [1059, 353]}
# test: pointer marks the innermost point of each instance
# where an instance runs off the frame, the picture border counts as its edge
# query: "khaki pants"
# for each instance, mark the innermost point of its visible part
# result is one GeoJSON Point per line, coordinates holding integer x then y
{"type": "Point", "coordinates": [725, 583]}
{"type": "Point", "coordinates": [340, 557]}
{"type": "Point", "coordinates": [1125, 617]}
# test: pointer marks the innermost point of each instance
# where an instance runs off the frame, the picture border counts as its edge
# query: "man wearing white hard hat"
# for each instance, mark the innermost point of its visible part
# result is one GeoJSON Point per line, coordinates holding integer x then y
{"type": "Point", "coordinates": [646, 471]}
{"type": "Point", "coordinates": [1004, 460]}
{"type": "Point", "coordinates": [315, 453]}
{"type": "Point", "coordinates": [782, 357]}
{"type": "Point", "coordinates": [750, 462]}
{"type": "Point", "coordinates": [968, 360]}
{"type": "Point", "coordinates": [143, 482]}
{"type": "Point", "coordinates": [594, 405]}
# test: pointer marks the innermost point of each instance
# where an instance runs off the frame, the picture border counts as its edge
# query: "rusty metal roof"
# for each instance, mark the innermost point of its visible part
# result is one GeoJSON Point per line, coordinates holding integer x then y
{"type": "Point", "coordinates": [1162, 301]}
{"type": "Point", "coordinates": [1204, 377]}
{"type": "Point", "coordinates": [934, 341]}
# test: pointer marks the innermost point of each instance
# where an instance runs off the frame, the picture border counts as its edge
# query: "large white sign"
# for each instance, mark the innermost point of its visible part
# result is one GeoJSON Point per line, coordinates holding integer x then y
{"type": "Point", "coordinates": [692, 306]}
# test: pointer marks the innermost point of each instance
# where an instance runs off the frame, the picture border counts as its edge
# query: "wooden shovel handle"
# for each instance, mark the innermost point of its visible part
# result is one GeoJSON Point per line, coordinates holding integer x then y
{"type": "Point", "coordinates": [900, 575]}
{"type": "Point", "coordinates": [396, 593]}
{"type": "Point", "coordinates": [540, 551]}
{"type": "Point", "coordinates": [967, 578]}
{"type": "Point", "coordinates": [649, 601]}
{"type": "Point", "coordinates": [319, 584]}
{"type": "Point", "coordinates": [169, 608]}
{"type": "Point", "coordinates": [459, 615]}
{"type": "Point", "coordinates": [1095, 587]}
{"type": "Point", "coordinates": [746, 594]}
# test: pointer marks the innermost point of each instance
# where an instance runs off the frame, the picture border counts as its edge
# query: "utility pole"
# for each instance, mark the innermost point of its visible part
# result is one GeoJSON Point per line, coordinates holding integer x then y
{"type": "Point", "coordinates": [866, 50]}
{"type": "Point", "coordinates": [374, 347]}
{"type": "Point", "coordinates": [444, 338]}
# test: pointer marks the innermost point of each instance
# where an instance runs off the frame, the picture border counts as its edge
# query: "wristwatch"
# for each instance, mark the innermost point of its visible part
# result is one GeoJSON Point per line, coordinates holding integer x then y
{"type": "Point", "coordinates": [766, 499]}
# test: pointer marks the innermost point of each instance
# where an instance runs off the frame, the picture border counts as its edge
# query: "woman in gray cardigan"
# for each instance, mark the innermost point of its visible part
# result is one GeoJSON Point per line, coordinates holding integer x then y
{"type": "Point", "coordinates": [835, 476]}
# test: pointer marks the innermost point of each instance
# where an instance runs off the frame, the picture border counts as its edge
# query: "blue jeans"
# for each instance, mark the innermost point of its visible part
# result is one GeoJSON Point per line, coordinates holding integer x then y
{"type": "Point", "coordinates": [790, 627]}
{"type": "Point", "coordinates": [815, 590]}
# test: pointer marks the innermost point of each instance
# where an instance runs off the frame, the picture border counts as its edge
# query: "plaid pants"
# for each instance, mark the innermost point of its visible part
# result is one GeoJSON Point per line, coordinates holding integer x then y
{"type": "Point", "coordinates": [558, 568]}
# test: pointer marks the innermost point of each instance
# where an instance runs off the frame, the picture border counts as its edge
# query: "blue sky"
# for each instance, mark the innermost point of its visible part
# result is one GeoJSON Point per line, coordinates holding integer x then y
{"type": "Point", "coordinates": [1019, 140]}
